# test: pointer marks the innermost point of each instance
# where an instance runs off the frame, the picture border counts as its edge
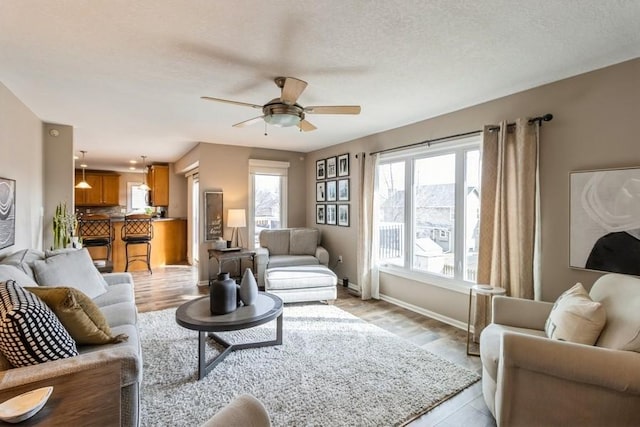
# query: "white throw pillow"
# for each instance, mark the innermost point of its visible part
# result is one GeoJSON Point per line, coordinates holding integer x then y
{"type": "Point", "coordinates": [73, 269]}
{"type": "Point", "coordinates": [575, 317]}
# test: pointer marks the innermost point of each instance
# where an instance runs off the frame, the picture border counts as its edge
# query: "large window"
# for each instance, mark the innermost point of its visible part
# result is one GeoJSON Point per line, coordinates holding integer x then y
{"type": "Point", "coordinates": [268, 203]}
{"type": "Point", "coordinates": [429, 210]}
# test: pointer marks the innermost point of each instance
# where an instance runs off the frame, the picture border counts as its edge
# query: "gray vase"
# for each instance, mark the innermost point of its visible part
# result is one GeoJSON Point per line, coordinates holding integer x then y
{"type": "Point", "coordinates": [248, 287]}
{"type": "Point", "coordinates": [222, 299]}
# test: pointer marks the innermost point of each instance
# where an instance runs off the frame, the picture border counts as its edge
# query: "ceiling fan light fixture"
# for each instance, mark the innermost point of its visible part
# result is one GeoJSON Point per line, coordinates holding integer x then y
{"type": "Point", "coordinates": [282, 120]}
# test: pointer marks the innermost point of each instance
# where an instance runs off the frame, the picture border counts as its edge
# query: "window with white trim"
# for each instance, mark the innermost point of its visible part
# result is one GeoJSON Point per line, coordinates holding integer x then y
{"type": "Point", "coordinates": [268, 197]}
{"type": "Point", "coordinates": [428, 202]}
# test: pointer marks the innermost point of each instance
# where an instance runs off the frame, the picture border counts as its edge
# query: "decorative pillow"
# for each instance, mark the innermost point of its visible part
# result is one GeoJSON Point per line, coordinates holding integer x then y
{"type": "Point", "coordinates": [29, 331]}
{"type": "Point", "coordinates": [11, 272]}
{"type": "Point", "coordinates": [80, 316]}
{"type": "Point", "coordinates": [304, 241]}
{"type": "Point", "coordinates": [74, 269]}
{"type": "Point", "coordinates": [575, 317]}
{"type": "Point", "coordinates": [23, 259]}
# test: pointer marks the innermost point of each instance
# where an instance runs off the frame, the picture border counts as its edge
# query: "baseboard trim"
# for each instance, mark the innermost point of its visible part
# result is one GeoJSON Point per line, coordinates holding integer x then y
{"type": "Point", "coordinates": [420, 310]}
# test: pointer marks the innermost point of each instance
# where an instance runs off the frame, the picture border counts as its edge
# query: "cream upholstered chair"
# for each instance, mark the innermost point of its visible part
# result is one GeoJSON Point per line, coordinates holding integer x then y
{"type": "Point", "coordinates": [243, 411]}
{"type": "Point", "coordinates": [528, 379]}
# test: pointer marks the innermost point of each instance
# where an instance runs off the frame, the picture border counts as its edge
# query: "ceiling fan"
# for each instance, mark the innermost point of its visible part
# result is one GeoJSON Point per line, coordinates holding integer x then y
{"type": "Point", "coordinates": [285, 111]}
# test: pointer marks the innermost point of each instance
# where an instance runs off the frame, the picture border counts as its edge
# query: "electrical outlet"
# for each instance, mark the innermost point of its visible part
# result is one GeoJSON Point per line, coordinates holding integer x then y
{"type": "Point", "coordinates": [340, 259]}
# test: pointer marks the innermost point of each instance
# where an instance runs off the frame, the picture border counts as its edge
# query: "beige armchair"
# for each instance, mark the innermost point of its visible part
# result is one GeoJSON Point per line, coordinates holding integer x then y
{"type": "Point", "coordinates": [528, 379]}
{"type": "Point", "coordinates": [243, 411]}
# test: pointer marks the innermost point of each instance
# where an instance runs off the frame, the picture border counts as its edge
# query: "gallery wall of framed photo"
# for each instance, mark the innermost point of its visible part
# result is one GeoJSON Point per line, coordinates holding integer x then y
{"type": "Point", "coordinates": [333, 191]}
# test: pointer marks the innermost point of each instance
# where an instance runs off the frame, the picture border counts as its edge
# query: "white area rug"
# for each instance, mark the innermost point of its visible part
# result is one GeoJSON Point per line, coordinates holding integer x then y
{"type": "Point", "coordinates": [333, 369]}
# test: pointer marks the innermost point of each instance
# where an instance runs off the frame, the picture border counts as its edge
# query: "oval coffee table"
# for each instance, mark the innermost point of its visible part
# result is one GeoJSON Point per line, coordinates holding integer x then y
{"type": "Point", "coordinates": [196, 315]}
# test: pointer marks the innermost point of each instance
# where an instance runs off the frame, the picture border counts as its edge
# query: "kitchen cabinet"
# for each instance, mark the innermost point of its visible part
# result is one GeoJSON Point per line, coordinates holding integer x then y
{"type": "Point", "coordinates": [158, 181]}
{"type": "Point", "coordinates": [104, 191]}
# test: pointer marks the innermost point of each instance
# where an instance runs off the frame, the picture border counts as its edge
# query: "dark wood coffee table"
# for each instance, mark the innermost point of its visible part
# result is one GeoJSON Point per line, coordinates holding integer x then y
{"type": "Point", "coordinates": [196, 315]}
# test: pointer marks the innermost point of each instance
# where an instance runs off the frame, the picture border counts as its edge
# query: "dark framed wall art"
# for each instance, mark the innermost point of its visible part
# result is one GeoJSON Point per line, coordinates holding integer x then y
{"type": "Point", "coordinates": [321, 168]}
{"type": "Point", "coordinates": [320, 214]}
{"type": "Point", "coordinates": [212, 215]}
{"type": "Point", "coordinates": [7, 212]}
{"type": "Point", "coordinates": [343, 215]}
{"type": "Point", "coordinates": [332, 191]}
{"type": "Point", "coordinates": [321, 192]}
{"type": "Point", "coordinates": [343, 189]}
{"type": "Point", "coordinates": [331, 167]}
{"type": "Point", "coordinates": [605, 220]}
{"type": "Point", "coordinates": [343, 165]}
{"type": "Point", "coordinates": [331, 216]}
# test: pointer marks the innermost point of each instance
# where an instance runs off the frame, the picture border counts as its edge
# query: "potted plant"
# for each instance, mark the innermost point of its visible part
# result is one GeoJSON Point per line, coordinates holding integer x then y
{"type": "Point", "coordinates": [64, 228]}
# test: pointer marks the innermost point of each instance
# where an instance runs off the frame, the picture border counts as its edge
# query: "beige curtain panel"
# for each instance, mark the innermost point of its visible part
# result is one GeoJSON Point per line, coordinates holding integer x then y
{"type": "Point", "coordinates": [367, 249]}
{"type": "Point", "coordinates": [508, 212]}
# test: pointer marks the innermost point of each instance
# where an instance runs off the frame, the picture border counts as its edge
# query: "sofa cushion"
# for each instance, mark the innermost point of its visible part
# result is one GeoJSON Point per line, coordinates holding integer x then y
{"type": "Point", "coordinates": [575, 317]}
{"type": "Point", "coordinates": [292, 260]}
{"type": "Point", "coordinates": [121, 292]}
{"type": "Point", "coordinates": [303, 241]}
{"type": "Point", "coordinates": [11, 272]}
{"type": "Point", "coordinates": [29, 331]}
{"type": "Point", "coordinates": [23, 260]}
{"type": "Point", "coordinates": [124, 313]}
{"type": "Point", "coordinates": [305, 276]}
{"type": "Point", "coordinates": [80, 316]}
{"type": "Point", "coordinates": [620, 296]}
{"type": "Point", "coordinates": [277, 241]}
{"type": "Point", "coordinates": [74, 269]}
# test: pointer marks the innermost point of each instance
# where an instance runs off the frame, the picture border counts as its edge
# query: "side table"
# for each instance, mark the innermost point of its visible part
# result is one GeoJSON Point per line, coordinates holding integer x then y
{"type": "Point", "coordinates": [485, 290]}
{"type": "Point", "coordinates": [236, 256]}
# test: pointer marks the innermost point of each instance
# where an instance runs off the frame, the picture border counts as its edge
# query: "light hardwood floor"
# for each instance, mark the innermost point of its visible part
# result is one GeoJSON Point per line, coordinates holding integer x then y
{"type": "Point", "coordinates": [171, 286]}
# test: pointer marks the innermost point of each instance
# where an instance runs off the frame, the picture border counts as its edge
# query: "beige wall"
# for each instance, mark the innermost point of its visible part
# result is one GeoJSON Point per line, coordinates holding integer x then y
{"type": "Point", "coordinates": [22, 160]}
{"type": "Point", "coordinates": [226, 168]}
{"type": "Point", "coordinates": [58, 174]}
{"type": "Point", "coordinates": [593, 128]}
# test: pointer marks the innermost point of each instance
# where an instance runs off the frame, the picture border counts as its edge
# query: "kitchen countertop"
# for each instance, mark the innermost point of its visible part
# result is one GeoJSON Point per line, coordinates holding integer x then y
{"type": "Point", "coordinates": [121, 219]}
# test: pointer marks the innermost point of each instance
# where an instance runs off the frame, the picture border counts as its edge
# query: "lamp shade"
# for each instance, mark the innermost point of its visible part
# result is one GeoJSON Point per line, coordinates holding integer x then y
{"type": "Point", "coordinates": [236, 218]}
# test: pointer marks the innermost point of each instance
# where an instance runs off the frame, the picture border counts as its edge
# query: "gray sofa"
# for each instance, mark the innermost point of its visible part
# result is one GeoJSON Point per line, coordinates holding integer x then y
{"type": "Point", "coordinates": [118, 306]}
{"type": "Point", "coordinates": [289, 247]}
{"type": "Point", "coordinates": [529, 379]}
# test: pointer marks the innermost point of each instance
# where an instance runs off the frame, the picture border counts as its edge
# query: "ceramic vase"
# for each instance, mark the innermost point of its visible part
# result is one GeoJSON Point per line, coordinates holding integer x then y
{"type": "Point", "coordinates": [248, 287]}
{"type": "Point", "coordinates": [223, 295]}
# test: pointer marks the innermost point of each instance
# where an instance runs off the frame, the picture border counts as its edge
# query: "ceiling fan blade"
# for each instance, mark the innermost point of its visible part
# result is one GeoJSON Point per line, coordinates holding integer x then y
{"type": "Point", "coordinates": [248, 122]}
{"type": "Point", "coordinates": [292, 90]}
{"type": "Point", "coordinates": [244, 104]}
{"type": "Point", "coordinates": [305, 126]}
{"type": "Point", "coordinates": [333, 109]}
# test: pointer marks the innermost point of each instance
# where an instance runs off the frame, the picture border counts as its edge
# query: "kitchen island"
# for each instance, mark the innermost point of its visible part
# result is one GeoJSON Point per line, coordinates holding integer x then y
{"type": "Point", "coordinates": [168, 246]}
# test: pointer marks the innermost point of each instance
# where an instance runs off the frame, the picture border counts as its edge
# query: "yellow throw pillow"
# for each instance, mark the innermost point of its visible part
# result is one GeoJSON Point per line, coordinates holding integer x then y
{"type": "Point", "coordinates": [80, 316]}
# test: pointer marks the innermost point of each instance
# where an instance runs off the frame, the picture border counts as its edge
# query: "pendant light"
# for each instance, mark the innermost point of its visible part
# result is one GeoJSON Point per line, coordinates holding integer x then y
{"type": "Point", "coordinates": [144, 185]}
{"type": "Point", "coordinates": [83, 184]}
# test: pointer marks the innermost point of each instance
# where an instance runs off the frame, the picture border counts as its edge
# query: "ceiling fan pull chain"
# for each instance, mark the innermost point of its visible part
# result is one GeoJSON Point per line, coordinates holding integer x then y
{"type": "Point", "coordinates": [265, 129]}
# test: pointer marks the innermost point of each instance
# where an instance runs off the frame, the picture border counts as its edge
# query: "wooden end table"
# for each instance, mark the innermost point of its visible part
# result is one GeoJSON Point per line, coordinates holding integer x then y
{"type": "Point", "coordinates": [233, 255]}
{"type": "Point", "coordinates": [196, 315]}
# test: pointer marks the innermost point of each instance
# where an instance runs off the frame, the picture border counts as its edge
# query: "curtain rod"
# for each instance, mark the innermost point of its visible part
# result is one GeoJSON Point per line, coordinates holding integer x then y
{"type": "Point", "coordinates": [544, 118]}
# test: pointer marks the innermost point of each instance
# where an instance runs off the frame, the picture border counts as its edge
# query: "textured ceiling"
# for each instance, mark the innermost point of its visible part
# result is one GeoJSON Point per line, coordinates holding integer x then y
{"type": "Point", "coordinates": [128, 75]}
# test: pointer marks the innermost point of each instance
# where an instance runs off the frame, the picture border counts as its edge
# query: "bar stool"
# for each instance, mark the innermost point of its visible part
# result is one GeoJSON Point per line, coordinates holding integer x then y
{"type": "Point", "coordinates": [96, 230]}
{"type": "Point", "coordinates": [137, 230]}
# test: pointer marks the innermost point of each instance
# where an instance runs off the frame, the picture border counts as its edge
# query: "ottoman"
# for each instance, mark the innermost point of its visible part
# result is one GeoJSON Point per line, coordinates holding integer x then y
{"type": "Point", "coordinates": [301, 283]}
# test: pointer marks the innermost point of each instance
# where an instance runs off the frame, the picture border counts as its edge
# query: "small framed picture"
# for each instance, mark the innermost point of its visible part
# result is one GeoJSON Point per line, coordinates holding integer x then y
{"type": "Point", "coordinates": [320, 214]}
{"type": "Point", "coordinates": [343, 165]}
{"type": "Point", "coordinates": [321, 169]}
{"type": "Point", "coordinates": [331, 214]}
{"type": "Point", "coordinates": [343, 189]}
{"type": "Point", "coordinates": [332, 191]}
{"type": "Point", "coordinates": [331, 167]}
{"type": "Point", "coordinates": [321, 190]}
{"type": "Point", "coordinates": [343, 215]}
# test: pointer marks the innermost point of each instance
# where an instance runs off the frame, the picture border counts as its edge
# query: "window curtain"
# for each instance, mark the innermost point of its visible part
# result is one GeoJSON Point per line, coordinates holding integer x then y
{"type": "Point", "coordinates": [509, 214]}
{"type": "Point", "coordinates": [367, 249]}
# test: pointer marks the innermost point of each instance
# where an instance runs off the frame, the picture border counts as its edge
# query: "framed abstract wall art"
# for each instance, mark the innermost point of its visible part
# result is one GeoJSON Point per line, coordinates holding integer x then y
{"type": "Point", "coordinates": [7, 212]}
{"type": "Point", "coordinates": [604, 232]}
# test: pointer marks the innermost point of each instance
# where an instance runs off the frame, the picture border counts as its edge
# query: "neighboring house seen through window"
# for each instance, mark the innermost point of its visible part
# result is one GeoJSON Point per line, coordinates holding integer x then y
{"type": "Point", "coordinates": [428, 202]}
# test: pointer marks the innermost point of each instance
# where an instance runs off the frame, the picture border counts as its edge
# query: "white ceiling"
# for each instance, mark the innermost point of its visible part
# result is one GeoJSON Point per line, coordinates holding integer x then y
{"type": "Point", "coordinates": [128, 75]}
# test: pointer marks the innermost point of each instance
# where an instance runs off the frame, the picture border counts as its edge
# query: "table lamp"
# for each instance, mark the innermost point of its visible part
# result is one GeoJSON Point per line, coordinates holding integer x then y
{"type": "Point", "coordinates": [236, 218]}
